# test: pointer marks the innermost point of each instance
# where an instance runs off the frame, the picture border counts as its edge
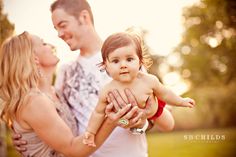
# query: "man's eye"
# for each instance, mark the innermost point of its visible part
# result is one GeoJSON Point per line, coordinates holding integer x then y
{"type": "Point", "coordinates": [62, 25]}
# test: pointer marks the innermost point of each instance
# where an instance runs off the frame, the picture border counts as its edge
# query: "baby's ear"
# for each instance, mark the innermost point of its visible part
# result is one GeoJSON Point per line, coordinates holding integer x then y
{"type": "Point", "coordinates": [140, 65]}
{"type": "Point", "coordinates": [101, 67]}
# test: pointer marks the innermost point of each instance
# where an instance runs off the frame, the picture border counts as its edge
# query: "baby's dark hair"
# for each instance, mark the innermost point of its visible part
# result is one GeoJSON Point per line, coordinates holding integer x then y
{"type": "Point", "coordinates": [119, 40]}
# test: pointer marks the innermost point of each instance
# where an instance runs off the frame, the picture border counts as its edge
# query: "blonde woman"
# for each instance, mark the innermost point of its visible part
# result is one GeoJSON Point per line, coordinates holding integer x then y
{"type": "Point", "coordinates": [32, 108]}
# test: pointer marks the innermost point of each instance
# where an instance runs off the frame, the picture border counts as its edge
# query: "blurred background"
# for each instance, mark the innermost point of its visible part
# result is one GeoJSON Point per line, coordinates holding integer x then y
{"type": "Point", "coordinates": [192, 44]}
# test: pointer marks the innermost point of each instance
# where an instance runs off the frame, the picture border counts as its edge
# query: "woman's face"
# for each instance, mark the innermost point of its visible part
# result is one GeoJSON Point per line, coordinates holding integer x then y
{"type": "Point", "coordinates": [44, 52]}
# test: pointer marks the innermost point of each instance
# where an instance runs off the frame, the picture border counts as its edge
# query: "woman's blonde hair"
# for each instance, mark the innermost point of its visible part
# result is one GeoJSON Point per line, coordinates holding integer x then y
{"type": "Point", "coordinates": [18, 72]}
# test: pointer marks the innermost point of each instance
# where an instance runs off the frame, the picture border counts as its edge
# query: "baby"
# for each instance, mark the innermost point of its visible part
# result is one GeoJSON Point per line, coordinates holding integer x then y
{"type": "Point", "coordinates": [122, 59]}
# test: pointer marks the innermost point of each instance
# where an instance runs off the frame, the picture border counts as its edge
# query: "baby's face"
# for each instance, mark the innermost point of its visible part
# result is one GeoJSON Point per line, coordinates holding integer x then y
{"type": "Point", "coordinates": [123, 64]}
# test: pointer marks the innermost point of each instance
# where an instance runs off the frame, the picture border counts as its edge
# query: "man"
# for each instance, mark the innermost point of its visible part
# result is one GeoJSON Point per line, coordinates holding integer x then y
{"type": "Point", "coordinates": [80, 81]}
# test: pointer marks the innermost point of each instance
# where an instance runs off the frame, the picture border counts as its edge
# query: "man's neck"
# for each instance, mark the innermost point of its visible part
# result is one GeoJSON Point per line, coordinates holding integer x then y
{"type": "Point", "coordinates": [88, 54]}
{"type": "Point", "coordinates": [93, 46]}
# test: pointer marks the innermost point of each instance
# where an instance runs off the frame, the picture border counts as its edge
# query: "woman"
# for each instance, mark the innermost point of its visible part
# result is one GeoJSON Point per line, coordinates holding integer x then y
{"type": "Point", "coordinates": [32, 108]}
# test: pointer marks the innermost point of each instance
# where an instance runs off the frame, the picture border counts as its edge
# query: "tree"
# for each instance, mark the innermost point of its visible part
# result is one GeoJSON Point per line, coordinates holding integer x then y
{"type": "Point", "coordinates": [208, 47]}
{"type": "Point", "coordinates": [6, 30]}
{"type": "Point", "coordinates": [208, 51]}
{"type": "Point", "coordinates": [6, 27]}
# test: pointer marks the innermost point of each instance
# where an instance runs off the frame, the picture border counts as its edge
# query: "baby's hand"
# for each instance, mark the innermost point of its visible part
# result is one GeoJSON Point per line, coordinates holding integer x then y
{"type": "Point", "coordinates": [188, 102]}
{"type": "Point", "coordinates": [89, 139]}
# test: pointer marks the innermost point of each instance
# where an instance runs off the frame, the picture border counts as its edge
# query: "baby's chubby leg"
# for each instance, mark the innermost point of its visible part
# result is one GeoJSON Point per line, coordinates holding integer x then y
{"type": "Point", "coordinates": [165, 122]}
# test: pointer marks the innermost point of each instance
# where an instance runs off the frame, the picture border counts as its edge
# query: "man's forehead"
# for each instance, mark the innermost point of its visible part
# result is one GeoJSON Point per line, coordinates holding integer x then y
{"type": "Point", "coordinates": [59, 15]}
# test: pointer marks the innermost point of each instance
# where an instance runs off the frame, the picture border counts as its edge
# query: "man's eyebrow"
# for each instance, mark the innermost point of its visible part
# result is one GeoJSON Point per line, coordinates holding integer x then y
{"type": "Point", "coordinates": [61, 22]}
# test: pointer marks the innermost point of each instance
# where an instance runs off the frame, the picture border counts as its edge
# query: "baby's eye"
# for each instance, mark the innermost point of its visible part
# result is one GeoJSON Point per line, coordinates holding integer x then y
{"type": "Point", "coordinates": [129, 59]}
{"type": "Point", "coordinates": [115, 61]}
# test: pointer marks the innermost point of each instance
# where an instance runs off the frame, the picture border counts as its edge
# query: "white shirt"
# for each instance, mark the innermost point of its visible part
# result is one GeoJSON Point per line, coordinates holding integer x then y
{"type": "Point", "coordinates": [79, 83]}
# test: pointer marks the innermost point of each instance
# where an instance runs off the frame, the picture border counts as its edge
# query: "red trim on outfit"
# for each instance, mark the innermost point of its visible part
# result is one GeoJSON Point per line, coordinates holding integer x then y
{"type": "Point", "coordinates": [161, 105]}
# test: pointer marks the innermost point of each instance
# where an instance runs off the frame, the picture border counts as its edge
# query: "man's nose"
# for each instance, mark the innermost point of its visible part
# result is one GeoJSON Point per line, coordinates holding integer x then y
{"type": "Point", "coordinates": [60, 34]}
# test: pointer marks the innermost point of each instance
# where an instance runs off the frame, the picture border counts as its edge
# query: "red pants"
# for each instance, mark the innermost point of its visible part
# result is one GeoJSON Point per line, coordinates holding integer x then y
{"type": "Point", "coordinates": [161, 105]}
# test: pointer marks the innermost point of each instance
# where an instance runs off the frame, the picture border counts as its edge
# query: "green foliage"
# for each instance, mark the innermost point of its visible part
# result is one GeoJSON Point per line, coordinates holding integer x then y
{"type": "Point", "coordinates": [208, 51]}
{"type": "Point", "coordinates": [208, 47]}
{"type": "Point", "coordinates": [6, 27]}
{"type": "Point", "coordinates": [216, 105]}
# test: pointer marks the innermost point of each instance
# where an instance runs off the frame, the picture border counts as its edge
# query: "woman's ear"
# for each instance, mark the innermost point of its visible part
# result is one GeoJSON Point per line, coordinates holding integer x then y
{"type": "Point", "coordinates": [36, 59]}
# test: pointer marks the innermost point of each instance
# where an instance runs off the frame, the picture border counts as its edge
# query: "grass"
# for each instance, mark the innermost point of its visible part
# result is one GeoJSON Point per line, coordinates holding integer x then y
{"type": "Point", "coordinates": [199, 143]}
{"type": "Point", "coordinates": [185, 144]}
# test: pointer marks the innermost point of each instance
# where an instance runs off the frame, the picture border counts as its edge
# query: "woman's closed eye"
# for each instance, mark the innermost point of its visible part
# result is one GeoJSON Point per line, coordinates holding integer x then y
{"type": "Point", "coordinates": [43, 42]}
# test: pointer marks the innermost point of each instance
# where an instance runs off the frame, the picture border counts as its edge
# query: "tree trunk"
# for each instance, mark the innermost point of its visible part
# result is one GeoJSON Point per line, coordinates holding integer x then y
{"type": "Point", "coordinates": [3, 146]}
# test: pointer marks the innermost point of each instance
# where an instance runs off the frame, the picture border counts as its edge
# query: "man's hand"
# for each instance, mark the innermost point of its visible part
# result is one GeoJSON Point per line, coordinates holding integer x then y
{"type": "Point", "coordinates": [18, 143]}
{"type": "Point", "coordinates": [135, 116]}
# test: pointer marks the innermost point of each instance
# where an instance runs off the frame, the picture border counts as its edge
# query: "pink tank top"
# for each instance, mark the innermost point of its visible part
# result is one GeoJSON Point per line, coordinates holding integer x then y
{"type": "Point", "coordinates": [35, 146]}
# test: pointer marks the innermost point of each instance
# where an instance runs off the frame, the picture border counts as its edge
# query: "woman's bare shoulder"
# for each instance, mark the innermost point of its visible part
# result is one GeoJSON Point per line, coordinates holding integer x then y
{"type": "Point", "coordinates": [35, 105]}
{"type": "Point", "coordinates": [35, 101]}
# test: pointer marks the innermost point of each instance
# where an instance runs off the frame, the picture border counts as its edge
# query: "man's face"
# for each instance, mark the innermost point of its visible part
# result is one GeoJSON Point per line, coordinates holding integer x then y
{"type": "Point", "coordinates": [68, 28]}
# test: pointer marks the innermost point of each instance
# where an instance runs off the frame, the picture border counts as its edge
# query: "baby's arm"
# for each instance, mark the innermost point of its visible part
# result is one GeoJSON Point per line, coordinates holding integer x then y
{"type": "Point", "coordinates": [165, 94]}
{"type": "Point", "coordinates": [95, 121]}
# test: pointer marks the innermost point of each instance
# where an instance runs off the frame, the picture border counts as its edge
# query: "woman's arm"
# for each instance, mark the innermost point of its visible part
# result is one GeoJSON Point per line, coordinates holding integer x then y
{"type": "Point", "coordinates": [42, 117]}
{"type": "Point", "coordinates": [95, 121]}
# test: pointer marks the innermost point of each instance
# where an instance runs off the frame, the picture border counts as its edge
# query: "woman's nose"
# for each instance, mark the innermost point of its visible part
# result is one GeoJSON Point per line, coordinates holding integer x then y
{"type": "Point", "coordinates": [53, 48]}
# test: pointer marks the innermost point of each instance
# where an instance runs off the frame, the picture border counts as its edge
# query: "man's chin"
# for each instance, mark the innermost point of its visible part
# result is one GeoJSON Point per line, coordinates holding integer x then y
{"type": "Point", "coordinates": [73, 48]}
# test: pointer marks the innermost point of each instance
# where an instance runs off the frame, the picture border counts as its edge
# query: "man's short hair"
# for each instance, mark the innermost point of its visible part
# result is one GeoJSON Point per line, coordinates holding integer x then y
{"type": "Point", "coordinates": [73, 7]}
